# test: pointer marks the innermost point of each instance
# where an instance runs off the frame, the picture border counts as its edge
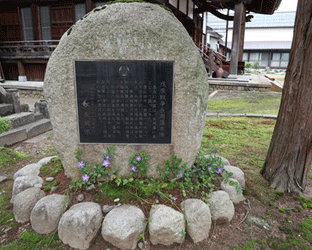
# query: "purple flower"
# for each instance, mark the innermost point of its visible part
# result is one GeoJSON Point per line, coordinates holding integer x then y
{"type": "Point", "coordinates": [220, 170]}
{"type": "Point", "coordinates": [209, 169]}
{"type": "Point", "coordinates": [107, 157]}
{"type": "Point", "coordinates": [217, 151]}
{"type": "Point", "coordinates": [106, 163]}
{"type": "Point", "coordinates": [133, 168]}
{"type": "Point", "coordinates": [85, 177]}
{"type": "Point", "coordinates": [173, 198]}
{"type": "Point", "coordinates": [138, 158]}
{"type": "Point", "coordinates": [81, 164]}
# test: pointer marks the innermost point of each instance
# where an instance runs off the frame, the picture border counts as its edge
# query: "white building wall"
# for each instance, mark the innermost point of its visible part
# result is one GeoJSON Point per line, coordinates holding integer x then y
{"type": "Point", "coordinates": [265, 34]}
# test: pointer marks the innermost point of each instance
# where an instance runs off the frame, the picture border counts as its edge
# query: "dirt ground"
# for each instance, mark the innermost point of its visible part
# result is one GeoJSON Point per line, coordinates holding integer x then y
{"type": "Point", "coordinates": [236, 234]}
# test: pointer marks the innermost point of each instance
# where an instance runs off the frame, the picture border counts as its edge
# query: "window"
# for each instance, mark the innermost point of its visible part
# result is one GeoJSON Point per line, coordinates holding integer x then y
{"type": "Point", "coordinates": [280, 60]}
{"type": "Point", "coordinates": [264, 59]}
{"type": "Point", "coordinates": [174, 3]}
{"type": "Point", "coordinates": [27, 25]}
{"type": "Point", "coordinates": [253, 57]}
{"type": "Point", "coordinates": [100, 4]}
{"type": "Point", "coordinates": [191, 9]}
{"type": "Point", "coordinates": [45, 23]}
{"type": "Point", "coordinates": [245, 57]}
{"type": "Point", "coordinates": [183, 5]}
{"type": "Point", "coordinates": [80, 10]}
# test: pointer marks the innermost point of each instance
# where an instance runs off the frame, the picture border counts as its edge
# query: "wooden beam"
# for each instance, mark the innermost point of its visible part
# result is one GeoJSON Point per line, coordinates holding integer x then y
{"type": "Point", "coordinates": [242, 35]}
{"type": "Point", "coordinates": [239, 11]}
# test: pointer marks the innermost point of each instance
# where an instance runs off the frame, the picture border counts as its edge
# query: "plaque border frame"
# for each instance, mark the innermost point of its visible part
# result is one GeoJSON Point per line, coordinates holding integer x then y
{"type": "Point", "coordinates": [120, 60]}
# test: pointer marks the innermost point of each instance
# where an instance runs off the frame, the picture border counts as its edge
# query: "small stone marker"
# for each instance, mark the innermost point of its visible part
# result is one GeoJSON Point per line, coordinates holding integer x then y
{"type": "Point", "coordinates": [114, 79]}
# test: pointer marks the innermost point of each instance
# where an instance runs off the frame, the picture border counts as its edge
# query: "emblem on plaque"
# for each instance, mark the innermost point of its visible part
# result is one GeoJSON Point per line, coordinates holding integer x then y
{"type": "Point", "coordinates": [124, 70]}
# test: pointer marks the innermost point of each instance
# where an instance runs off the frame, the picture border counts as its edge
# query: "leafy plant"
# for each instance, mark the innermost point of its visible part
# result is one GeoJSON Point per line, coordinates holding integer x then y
{"type": "Point", "coordinates": [172, 169]}
{"type": "Point", "coordinates": [5, 124]}
{"type": "Point", "coordinates": [138, 164]}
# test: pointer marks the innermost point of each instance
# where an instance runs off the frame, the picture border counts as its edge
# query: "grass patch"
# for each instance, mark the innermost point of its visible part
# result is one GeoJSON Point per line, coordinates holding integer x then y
{"type": "Point", "coordinates": [8, 155]}
{"type": "Point", "coordinates": [245, 143]}
{"type": "Point", "coordinates": [6, 213]}
{"type": "Point", "coordinates": [52, 168]}
{"type": "Point", "coordinates": [31, 240]}
{"type": "Point", "coordinates": [244, 103]}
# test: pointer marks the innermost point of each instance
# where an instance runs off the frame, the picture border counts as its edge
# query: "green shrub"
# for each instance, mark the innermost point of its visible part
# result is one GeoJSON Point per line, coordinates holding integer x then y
{"type": "Point", "coordinates": [5, 124]}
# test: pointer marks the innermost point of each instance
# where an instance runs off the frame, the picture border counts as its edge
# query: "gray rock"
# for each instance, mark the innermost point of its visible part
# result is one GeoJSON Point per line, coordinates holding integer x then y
{"type": "Point", "coordinates": [221, 207]}
{"type": "Point", "coordinates": [53, 189]}
{"type": "Point", "coordinates": [231, 190]}
{"type": "Point", "coordinates": [166, 225]}
{"type": "Point", "coordinates": [24, 202]}
{"type": "Point", "coordinates": [251, 220]}
{"type": "Point", "coordinates": [122, 226]}
{"type": "Point", "coordinates": [224, 160]}
{"type": "Point", "coordinates": [140, 245]}
{"type": "Point", "coordinates": [24, 182]}
{"type": "Point", "coordinates": [116, 200]}
{"type": "Point", "coordinates": [3, 178]}
{"type": "Point", "coordinates": [238, 174]}
{"type": "Point", "coordinates": [38, 185]}
{"type": "Point", "coordinates": [46, 214]}
{"type": "Point", "coordinates": [80, 197]}
{"type": "Point", "coordinates": [80, 224]}
{"type": "Point", "coordinates": [50, 179]}
{"type": "Point", "coordinates": [198, 219]}
{"type": "Point", "coordinates": [107, 208]}
{"type": "Point", "coordinates": [92, 186]}
{"type": "Point", "coordinates": [31, 169]}
{"type": "Point", "coordinates": [160, 37]}
{"type": "Point", "coordinates": [46, 160]}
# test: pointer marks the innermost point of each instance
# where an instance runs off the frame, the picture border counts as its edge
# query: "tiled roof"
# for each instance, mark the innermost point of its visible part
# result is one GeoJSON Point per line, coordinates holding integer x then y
{"type": "Point", "coordinates": [278, 19]}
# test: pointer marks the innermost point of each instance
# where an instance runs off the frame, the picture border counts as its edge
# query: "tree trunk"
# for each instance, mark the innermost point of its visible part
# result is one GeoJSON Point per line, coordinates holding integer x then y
{"type": "Point", "coordinates": [290, 153]}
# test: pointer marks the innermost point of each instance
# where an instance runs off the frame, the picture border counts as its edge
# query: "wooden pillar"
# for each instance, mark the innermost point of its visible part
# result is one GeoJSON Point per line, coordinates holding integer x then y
{"type": "Point", "coordinates": [21, 71]}
{"type": "Point", "coordinates": [239, 11]}
{"type": "Point", "coordinates": [36, 21]}
{"type": "Point", "coordinates": [88, 6]}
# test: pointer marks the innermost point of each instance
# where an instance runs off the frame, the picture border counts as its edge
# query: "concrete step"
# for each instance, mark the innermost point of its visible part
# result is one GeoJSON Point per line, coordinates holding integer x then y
{"type": "Point", "coordinates": [21, 119]}
{"type": "Point", "coordinates": [25, 132]}
{"type": "Point", "coordinates": [6, 109]}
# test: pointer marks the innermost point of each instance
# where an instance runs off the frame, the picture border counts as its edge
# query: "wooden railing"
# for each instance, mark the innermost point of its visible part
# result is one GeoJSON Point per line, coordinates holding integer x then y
{"type": "Point", "coordinates": [40, 49]}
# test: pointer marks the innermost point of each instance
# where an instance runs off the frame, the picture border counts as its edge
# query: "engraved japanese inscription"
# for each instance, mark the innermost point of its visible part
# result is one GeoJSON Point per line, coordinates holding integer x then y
{"type": "Point", "coordinates": [124, 101]}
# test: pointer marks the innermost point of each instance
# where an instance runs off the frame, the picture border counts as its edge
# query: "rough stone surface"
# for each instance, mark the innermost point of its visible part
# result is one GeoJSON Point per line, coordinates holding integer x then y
{"type": "Point", "coordinates": [47, 212]}
{"type": "Point", "coordinates": [224, 160]}
{"type": "Point", "coordinates": [122, 226]}
{"type": "Point", "coordinates": [3, 178]}
{"type": "Point", "coordinates": [238, 175]}
{"type": "Point", "coordinates": [80, 224]}
{"type": "Point", "coordinates": [50, 179]}
{"type": "Point", "coordinates": [231, 190]}
{"type": "Point", "coordinates": [198, 219]}
{"type": "Point", "coordinates": [221, 207]}
{"type": "Point", "coordinates": [80, 197]}
{"type": "Point", "coordinates": [46, 160]}
{"type": "Point", "coordinates": [261, 223]}
{"type": "Point", "coordinates": [128, 31]}
{"type": "Point", "coordinates": [24, 202]}
{"type": "Point", "coordinates": [31, 169]}
{"type": "Point", "coordinates": [25, 182]}
{"type": "Point", "coordinates": [165, 225]}
{"type": "Point", "coordinates": [107, 208]}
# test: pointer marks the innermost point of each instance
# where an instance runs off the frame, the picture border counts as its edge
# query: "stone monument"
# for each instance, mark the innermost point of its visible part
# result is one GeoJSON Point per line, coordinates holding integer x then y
{"type": "Point", "coordinates": [129, 75]}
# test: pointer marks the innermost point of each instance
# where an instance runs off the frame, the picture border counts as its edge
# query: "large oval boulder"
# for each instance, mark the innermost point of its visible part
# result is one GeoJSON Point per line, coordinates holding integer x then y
{"type": "Point", "coordinates": [123, 225]}
{"type": "Point", "coordinates": [80, 224]}
{"type": "Point", "coordinates": [24, 202]}
{"type": "Point", "coordinates": [46, 214]}
{"type": "Point", "coordinates": [22, 183]}
{"type": "Point", "coordinates": [128, 32]}
{"type": "Point", "coordinates": [198, 219]}
{"type": "Point", "coordinates": [221, 207]}
{"type": "Point", "coordinates": [166, 225]}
